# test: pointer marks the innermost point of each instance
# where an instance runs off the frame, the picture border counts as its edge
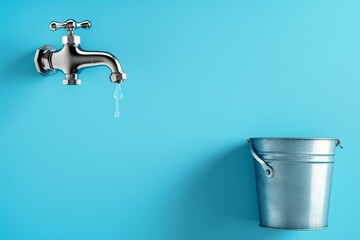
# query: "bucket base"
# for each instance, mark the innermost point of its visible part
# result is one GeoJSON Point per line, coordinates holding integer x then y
{"type": "Point", "coordinates": [295, 229]}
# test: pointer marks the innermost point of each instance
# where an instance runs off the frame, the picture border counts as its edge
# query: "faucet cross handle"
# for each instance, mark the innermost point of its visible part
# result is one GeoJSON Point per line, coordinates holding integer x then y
{"type": "Point", "coordinates": [70, 25]}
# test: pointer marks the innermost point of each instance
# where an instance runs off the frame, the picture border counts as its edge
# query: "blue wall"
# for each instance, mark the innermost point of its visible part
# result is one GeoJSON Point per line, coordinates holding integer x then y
{"type": "Point", "coordinates": [202, 77]}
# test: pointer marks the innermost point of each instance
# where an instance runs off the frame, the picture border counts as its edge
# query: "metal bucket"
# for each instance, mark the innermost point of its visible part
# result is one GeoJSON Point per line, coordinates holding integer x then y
{"type": "Point", "coordinates": [293, 181]}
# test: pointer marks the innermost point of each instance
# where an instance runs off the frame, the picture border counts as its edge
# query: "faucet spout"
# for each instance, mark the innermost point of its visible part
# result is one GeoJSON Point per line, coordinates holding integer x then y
{"type": "Point", "coordinates": [71, 59]}
{"type": "Point", "coordinates": [97, 58]}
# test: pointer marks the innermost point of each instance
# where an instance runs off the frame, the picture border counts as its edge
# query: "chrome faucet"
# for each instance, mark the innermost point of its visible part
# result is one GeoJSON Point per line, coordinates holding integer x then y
{"type": "Point", "coordinates": [71, 59]}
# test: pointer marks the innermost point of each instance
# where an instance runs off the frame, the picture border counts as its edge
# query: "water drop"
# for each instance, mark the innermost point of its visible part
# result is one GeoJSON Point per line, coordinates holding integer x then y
{"type": "Point", "coordinates": [117, 96]}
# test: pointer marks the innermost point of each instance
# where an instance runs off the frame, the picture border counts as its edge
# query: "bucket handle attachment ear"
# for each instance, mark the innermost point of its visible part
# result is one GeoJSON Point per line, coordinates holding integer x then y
{"type": "Point", "coordinates": [268, 171]}
{"type": "Point", "coordinates": [339, 143]}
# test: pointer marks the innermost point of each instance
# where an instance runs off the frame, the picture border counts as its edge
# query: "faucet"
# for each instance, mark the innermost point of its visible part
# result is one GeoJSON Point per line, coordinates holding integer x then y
{"type": "Point", "coordinates": [71, 59]}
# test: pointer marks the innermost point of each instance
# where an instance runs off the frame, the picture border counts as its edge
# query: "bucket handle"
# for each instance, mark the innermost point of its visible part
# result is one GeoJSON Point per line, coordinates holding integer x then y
{"type": "Point", "coordinates": [269, 172]}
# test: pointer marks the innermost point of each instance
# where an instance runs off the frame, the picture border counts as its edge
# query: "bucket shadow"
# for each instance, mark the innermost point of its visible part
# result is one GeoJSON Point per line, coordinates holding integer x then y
{"type": "Point", "coordinates": [221, 202]}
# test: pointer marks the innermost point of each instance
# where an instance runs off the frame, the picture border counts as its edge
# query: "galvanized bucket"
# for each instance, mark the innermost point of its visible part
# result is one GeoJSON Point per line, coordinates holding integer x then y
{"type": "Point", "coordinates": [293, 181]}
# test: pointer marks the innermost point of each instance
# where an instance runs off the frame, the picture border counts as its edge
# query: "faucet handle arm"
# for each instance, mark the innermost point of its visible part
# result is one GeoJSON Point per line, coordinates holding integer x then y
{"type": "Point", "coordinates": [70, 25]}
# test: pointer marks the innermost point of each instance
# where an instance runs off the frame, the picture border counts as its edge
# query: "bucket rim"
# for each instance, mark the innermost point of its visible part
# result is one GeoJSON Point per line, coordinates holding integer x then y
{"type": "Point", "coordinates": [292, 138]}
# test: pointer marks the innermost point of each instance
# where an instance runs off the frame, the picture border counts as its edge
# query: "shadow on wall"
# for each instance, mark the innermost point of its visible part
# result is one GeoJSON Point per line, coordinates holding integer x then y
{"type": "Point", "coordinates": [17, 79]}
{"type": "Point", "coordinates": [20, 68]}
{"type": "Point", "coordinates": [220, 201]}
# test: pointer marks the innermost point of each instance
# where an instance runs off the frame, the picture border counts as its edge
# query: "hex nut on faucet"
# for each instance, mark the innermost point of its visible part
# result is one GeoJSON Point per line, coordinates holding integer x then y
{"type": "Point", "coordinates": [42, 62]}
{"type": "Point", "coordinates": [71, 39]}
{"type": "Point", "coordinates": [118, 77]}
{"type": "Point", "coordinates": [46, 62]}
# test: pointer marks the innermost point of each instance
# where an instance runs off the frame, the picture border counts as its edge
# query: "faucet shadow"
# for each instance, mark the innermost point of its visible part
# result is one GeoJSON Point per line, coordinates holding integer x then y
{"type": "Point", "coordinates": [20, 69]}
{"type": "Point", "coordinates": [18, 76]}
{"type": "Point", "coordinates": [221, 203]}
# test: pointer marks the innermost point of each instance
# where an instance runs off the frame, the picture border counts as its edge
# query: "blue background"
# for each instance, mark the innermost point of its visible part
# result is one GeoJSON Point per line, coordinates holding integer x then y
{"type": "Point", "coordinates": [203, 76]}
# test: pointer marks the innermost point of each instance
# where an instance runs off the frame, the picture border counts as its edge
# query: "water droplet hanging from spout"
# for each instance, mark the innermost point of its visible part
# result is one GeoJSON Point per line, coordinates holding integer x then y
{"type": "Point", "coordinates": [117, 96]}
